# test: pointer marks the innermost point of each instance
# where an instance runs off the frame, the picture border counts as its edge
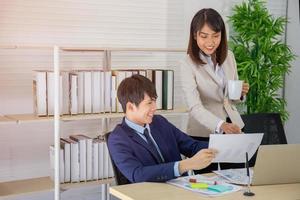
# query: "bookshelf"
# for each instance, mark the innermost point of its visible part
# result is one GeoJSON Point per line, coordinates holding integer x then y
{"type": "Point", "coordinates": [6, 119]}
{"type": "Point", "coordinates": [44, 183]}
{"type": "Point", "coordinates": [31, 118]}
{"type": "Point", "coordinates": [123, 49]}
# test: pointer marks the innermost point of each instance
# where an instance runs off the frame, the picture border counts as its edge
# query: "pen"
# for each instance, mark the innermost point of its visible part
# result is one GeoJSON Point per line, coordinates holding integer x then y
{"type": "Point", "coordinates": [248, 192]}
{"type": "Point", "coordinates": [193, 180]}
{"type": "Point", "coordinates": [247, 165]}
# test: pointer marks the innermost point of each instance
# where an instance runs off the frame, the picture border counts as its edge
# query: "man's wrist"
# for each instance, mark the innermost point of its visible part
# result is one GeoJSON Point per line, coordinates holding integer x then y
{"type": "Point", "coordinates": [184, 166]}
{"type": "Point", "coordinates": [176, 169]}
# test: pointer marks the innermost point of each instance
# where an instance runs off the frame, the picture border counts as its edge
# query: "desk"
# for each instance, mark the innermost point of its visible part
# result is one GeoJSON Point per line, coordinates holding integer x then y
{"type": "Point", "coordinates": [159, 191]}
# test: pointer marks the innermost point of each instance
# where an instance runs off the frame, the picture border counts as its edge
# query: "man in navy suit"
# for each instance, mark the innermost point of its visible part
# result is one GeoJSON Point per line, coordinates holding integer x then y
{"type": "Point", "coordinates": [146, 147]}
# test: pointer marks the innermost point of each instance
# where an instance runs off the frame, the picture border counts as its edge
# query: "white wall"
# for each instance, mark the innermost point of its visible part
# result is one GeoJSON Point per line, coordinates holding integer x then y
{"type": "Point", "coordinates": [292, 90]}
{"type": "Point", "coordinates": [91, 23]}
{"type": "Point", "coordinates": [113, 23]}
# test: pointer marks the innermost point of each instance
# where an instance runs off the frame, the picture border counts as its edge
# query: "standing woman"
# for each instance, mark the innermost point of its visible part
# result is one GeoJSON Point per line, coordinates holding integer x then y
{"type": "Point", "coordinates": [205, 72]}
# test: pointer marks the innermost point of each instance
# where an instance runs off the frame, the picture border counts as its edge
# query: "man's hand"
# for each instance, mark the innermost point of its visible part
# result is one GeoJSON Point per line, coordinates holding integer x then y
{"type": "Point", "coordinates": [199, 161]}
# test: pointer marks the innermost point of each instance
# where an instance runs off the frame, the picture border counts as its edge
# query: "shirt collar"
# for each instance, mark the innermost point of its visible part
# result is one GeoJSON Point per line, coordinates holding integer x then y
{"type": "Point", "coordinates": [209, 61]}
{"type": "Point", "coordinates": [138, 128]}
{"type": "Point", "coordinates": [205, 57]}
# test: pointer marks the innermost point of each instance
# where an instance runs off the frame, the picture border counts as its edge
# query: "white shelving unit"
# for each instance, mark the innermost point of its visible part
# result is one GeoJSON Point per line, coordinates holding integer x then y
{"type": "Point", "coordinates": [16, 188]}
{"type": "Point", "coordinates": [44, 183]}
{"type": "Point", "coordinates": [30, 118]}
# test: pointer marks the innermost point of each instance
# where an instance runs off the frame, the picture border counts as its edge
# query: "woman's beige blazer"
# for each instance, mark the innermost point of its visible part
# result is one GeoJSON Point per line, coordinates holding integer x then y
{"type": "Point", "coordinates": [205, 98]}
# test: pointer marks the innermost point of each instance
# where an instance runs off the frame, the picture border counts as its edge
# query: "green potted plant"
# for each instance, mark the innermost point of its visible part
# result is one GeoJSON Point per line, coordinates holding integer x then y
{"type": "Point", "coordinates": [262, 57]}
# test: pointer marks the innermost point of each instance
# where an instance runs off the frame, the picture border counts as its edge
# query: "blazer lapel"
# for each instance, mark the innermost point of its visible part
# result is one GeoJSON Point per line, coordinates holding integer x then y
{"type": "Point", "coordinates": [227, 77]}
{"type": "Point", "coordinates": [211, 73]}
{"type": "Point", "coordinates": [135, 137]}
{"type": "Point", "coordinates": [159, 141]}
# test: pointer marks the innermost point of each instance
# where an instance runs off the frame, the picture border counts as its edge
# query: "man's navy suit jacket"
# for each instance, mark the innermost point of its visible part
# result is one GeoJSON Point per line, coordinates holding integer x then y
{"type": "Point", "coordinates": [134, 158]}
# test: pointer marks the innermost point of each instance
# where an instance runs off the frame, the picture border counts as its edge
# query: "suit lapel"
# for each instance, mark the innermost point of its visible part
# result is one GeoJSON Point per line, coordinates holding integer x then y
{"type": "Point", "coordinates": [211, 73]}
{"type": "Point", "coordinates": [159, 141]}
{"type": "Point", "coordinates": [227, 73]}
{"type": "Point", "coordinates": [135, 137]}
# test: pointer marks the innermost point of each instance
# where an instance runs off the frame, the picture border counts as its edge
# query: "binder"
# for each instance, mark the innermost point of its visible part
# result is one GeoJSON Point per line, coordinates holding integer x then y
{"type": "Point", "coordinates": [87, 92]}
{"type": "Point", "coordinates": [80, 90]}
{"type": "Point", "coordinates": [61, 163]}
{"type": "Point", "coordinates": [96, 92]}
{"type": "Point", "coordinates": [66, 146]}
{"type": "Point", "coordinates": [82, 156]}
{"type": "Point", "coordinates": [73, 93]}
{"type": "Point", "coordinates": [95, 160]}
{"type": "Point", "coordinates": [107, 91]}
{"type": "Point", "coordinates": [157, 78]}
{"type": "Point", "coordinates": [40, 93]}
{"type": "Point", "coordinates": [101, 159]}
{"type": "Point", "coordinates": [168, 90]}
{"type": "Point", "coordinates": [75, 167]}
{"type": "Point", "coordinates": [65, 93]}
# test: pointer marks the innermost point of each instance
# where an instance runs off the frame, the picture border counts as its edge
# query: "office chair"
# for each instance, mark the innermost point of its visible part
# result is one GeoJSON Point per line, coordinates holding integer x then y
{"type": "Point", "coordinates": [120, 178]}
{"type": "Point", "coordinates": [268, 123]}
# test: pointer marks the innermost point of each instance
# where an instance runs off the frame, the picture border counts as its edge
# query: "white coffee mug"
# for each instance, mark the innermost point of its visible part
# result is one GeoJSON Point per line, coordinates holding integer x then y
{"type": "Point", "coordinates": [235, 89]}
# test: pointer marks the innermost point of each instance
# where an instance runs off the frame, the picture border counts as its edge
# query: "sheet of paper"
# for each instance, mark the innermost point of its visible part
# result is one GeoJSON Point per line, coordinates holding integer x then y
{"type": "Point", "coordinates": [235, 176]}
{"type": "Point", "coordinates": [183, 182]}
{"type": "Point", "coordinates": [233, 147]}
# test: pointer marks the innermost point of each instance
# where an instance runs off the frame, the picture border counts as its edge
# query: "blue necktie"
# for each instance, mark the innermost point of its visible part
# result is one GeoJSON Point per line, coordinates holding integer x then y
{"type": "Point", "coordinates": [152, 146]}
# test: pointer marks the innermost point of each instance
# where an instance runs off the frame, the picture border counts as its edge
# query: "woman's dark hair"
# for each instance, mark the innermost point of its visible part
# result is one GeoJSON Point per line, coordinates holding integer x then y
{"type": "Point", "coordinates": [133, 89]}
{"type": "Point", "coordinates": [214, 20]}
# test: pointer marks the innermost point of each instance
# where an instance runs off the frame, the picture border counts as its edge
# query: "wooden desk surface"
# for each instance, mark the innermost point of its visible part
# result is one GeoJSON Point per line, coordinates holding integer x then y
{"type": "Point", "coordinates": [159, 191]}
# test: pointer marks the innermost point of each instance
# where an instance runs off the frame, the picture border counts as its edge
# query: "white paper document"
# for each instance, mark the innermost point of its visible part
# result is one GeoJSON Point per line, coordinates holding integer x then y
{"type": "Point", "coordinates": [219, 182]}
{"type": "Point", "coordinates": [236, 176]}
{"type": "Point", "coordinates": [233, 147]}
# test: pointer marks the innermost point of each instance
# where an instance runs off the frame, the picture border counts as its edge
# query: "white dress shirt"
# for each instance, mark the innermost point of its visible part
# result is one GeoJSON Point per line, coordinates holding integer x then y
{"type": "Point", "coordinates": [219, 72]}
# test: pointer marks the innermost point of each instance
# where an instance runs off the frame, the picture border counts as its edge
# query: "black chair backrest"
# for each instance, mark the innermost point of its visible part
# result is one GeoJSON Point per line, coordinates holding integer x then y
{"type": "Point", "coordinates": [268, 123]}
{"type": "Point", "coordinates": [120, 178]}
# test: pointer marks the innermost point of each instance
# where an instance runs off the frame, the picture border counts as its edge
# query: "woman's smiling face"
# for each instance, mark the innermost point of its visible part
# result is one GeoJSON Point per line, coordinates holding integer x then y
{"type": "Point", "coordinates": [208, 40]}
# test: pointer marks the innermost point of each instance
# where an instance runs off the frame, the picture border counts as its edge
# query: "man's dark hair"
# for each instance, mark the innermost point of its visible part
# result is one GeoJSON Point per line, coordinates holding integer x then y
{"type": "Point", "coordinates": [214, 20]}
{"type": "Point", "coordinates": [133, 89]}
